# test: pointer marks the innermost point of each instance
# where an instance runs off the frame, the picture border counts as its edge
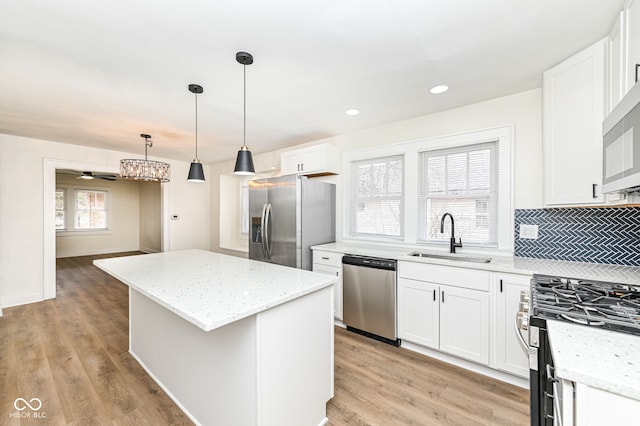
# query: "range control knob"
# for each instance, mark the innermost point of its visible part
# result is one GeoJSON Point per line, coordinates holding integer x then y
{"type": "Point", "coordinates": [522, 319]}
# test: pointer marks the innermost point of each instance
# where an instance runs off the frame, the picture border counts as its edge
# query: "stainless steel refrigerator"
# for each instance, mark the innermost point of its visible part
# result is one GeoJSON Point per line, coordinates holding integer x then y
{"type": "Point", "coordinates": [288, 215]}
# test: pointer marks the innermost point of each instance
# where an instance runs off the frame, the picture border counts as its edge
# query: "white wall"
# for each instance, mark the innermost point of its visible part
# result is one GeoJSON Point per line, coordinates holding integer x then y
{"type": "Point", "coordinates": [150, 217]}
{"type": "Point", "coordinates": [523, 110]}
{"type": "Point", "coordinates": [123, 220]}
{"type": "Point", "coordinates": [21, 210]}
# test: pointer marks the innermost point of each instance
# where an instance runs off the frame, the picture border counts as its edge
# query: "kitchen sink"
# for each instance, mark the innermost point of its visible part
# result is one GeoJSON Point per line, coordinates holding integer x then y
{"type": "Point", "coordinates": [451, 256]}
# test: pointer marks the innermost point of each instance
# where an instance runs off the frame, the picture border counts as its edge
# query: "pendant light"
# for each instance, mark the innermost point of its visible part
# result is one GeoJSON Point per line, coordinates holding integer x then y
{"type": "Point", "coordinates": [244, 162]}
{"type": "Point", "coordinates": [196, 174]}
{"type": "Point", "coordinates": [146, 170]}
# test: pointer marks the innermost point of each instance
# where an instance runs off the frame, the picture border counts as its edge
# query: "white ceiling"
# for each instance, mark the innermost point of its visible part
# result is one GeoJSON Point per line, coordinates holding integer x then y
{"type": "Point", "coordinates": [100, 73]}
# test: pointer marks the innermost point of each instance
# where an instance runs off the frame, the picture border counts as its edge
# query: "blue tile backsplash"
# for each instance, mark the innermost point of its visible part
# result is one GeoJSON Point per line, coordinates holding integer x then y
{"type": "Point", "coordinates": [597, 235]}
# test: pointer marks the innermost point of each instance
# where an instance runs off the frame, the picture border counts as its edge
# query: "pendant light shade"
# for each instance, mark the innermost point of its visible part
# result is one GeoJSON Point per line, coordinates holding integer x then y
{"type": "Point", "coordinates": [154, 171]}
{"type": "Point", "coordinates": [196, 173]}
{"type": "Point", "coordinates": [244, 162]}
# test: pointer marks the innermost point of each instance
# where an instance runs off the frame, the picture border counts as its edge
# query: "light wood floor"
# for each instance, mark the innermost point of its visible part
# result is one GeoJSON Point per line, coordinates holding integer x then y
{"type": "Point", "coordinates": [71, 353]}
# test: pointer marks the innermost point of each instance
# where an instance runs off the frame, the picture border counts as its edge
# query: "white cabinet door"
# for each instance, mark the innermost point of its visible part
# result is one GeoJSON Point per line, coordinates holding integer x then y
{"type": "Point", "coordinates": [418, 316]}
{"type": "Point", "coordinates": [510, 355]}
{"type": "Point", "coordinates": [314, 160]}
{"type": "Point", "coordinates": [632, 13]}
{"type": "Point", "coordinates": [573, 107]}
{"type": "Point", "coordinates": [464, 323]}
{"type": "Point", "coordinates": [595, 407]}
{"type": "Point", "coordinates": [337, 290]}
{"type": "Point", "coordinates": [616, 64]}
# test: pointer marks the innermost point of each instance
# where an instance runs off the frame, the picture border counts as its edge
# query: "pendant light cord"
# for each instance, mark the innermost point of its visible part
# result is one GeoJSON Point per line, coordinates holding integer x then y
{"type": "Point", "coordinates": [244, 102]}
{"type": "Point", "coordinates": [196, 125]}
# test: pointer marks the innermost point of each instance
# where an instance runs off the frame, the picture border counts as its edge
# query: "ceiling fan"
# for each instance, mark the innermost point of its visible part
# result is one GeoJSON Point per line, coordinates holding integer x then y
{"type": "Point", "coordinates": [90, 175]}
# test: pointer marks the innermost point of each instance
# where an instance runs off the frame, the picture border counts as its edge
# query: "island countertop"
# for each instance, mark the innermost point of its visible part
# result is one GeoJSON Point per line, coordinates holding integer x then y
{"type": "Point", "coordinates": [210, 289]}
{"type": "Point", "coordinates": [603, 359]}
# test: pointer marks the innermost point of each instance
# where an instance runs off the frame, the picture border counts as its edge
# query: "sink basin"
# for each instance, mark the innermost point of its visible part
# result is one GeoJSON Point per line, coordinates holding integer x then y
{"type": "Point", "coordinates": [451, 256]}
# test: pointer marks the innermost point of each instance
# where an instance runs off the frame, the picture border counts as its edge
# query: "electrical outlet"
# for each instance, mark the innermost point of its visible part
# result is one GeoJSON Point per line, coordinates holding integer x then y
{"type": "Point", "coordinates": [529, 232]}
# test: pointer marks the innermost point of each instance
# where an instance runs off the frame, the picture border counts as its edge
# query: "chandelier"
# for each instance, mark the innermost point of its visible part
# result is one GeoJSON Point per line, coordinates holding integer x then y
{"type": "Point", "coordinates": [146, 170]}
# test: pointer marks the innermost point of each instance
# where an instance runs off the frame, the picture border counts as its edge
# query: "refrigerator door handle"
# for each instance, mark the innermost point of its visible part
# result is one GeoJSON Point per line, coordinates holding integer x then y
{"type": "Point", "coordinates": [262, 230]}
{"type": "Point", "coordinates": [267, 231]}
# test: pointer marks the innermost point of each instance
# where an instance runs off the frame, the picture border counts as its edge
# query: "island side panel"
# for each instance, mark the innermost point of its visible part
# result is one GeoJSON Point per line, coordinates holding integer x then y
{"type": "Point", "coordinates": [210, 375]}
{"type": "Point", "coordinates": [295, 360]}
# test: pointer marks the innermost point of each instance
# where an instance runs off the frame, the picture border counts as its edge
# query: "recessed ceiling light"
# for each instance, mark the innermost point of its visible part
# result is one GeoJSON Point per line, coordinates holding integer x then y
{"type": "Point", "coordinates": [439, 89]}
{"type": "Point", "coordinates": [352, 111]}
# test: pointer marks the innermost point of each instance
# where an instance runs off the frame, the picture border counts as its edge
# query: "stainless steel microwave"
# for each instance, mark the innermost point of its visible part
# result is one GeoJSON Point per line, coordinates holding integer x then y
{"type": "Point", "coordinates": [621, 145]}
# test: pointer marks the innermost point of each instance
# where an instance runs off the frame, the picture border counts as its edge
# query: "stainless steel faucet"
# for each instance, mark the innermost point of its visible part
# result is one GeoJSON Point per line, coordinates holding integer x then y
{"type": "Point", "coordinates": [452, 240]}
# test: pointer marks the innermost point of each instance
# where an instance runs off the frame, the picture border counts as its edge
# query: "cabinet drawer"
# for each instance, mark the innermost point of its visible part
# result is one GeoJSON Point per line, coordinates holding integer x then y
{"type": "Point", "coordinates": [449, 275]}
{"type": "Point", "coordinates": [327, 258]}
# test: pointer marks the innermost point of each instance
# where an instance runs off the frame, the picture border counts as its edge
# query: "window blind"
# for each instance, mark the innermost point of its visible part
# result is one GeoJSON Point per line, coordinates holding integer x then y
{"type": "Point", "coordinates": [464, 182]}
{"type": "Point", "coordinates": [377, 204]}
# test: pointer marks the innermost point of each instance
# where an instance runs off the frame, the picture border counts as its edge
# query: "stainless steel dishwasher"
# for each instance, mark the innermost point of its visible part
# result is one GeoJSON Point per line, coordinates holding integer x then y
{"type": "Point", "coordinates": [369, 297]}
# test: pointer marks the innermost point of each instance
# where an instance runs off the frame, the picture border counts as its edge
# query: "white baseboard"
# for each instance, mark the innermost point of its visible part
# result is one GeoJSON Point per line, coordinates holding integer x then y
{"type": "Point", "coordinates": [92, 252]}
{"type": "Point", "coordinates": [148, 250]}
{"type": "Point", "coordinates": [468, 365]}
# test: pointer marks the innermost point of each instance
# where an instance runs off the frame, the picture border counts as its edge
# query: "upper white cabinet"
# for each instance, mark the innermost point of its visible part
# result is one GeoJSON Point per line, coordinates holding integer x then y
{"type": "Point", "coordinates": [573, 110]}
{"type": "Point", "coordinates": [511, 356]}
{"type": "Point", "coordinates": [616, 64]}
{"type": "Point", "coordinates": [623, 54]}
{"type": "Point", "coordinates": [322, 159]}
{"type": "Point", "coordinates": [632, 41]}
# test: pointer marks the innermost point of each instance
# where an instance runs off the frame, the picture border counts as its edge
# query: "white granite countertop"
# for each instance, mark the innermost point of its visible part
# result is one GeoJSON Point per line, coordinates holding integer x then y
{"type": "Point", "coordinates": [211, 289]}
{"type": "Point", "coordinates": [602, 359]}
{"type": "Point", "coordinates": [508, 264]}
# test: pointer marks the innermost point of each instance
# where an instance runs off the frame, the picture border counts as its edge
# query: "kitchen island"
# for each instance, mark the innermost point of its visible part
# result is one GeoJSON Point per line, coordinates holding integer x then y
{"type": "Point", "coordinates": [232, 341]}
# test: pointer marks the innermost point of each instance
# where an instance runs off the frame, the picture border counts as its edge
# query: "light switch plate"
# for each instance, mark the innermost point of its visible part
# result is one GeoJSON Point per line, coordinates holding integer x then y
{"type": "Point", "coordinates": [529, 232]}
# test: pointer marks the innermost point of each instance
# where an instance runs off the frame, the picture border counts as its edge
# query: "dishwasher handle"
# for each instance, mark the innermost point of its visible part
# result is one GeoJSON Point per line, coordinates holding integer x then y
{"type": "Point", "coordinates": [370, 262]}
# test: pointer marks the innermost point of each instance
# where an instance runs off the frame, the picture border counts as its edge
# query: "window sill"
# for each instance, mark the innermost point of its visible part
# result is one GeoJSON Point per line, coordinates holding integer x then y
{"type": "Point", "coordinates": [79, 232]}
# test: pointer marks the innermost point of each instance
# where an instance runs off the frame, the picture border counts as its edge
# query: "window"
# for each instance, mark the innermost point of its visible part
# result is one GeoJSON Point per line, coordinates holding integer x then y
{"type": "Point", "coordinates": [61, 208]}
{"type": "Point", "coordinates": [377, 203]}
{"type": "Point", "coordinates": [464, 182]}
{"type": "Point", "coordinates": [90, 210]}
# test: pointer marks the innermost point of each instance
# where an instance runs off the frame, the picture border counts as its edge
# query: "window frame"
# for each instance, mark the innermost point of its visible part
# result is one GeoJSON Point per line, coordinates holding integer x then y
{"type": "Point", "coordinates": [504, 134]}
{"type": "Point", "coordinates": [491, 195]}
{"type": "Point", "coordinates": [76, 210]}
{"type": "Point", "coordinates": [70, 205]}
{"type": "Point", "coordinates": [355, 199]}
{"type": "Point", "coordinates": [65, 215]}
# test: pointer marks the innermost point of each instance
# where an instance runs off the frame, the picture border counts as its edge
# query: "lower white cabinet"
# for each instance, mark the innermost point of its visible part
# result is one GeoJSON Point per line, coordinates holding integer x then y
{"type": "Point", "coordinates": [596, 407]}
{"type": "Point", "coordinates": [449, 318]}
{"type": "Point", "coordinates": [330, 263]}
{"type": "Point", "coordinates": [464, 323]}
{"type": "Point", "coordinates": [510, 354]}
{"type": "Point", "coordinates": [419, 312]}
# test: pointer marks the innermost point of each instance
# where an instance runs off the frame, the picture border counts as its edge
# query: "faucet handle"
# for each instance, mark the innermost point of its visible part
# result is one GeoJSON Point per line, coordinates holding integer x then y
{"type": "Point", "coordinates": [459, 243]}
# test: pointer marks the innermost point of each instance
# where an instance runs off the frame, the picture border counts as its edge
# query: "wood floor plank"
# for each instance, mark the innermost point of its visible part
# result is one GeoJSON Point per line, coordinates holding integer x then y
{"type": "Point", "coordinates": [377, 384]}
{"type": "Point", "coordinates": [72, 352]}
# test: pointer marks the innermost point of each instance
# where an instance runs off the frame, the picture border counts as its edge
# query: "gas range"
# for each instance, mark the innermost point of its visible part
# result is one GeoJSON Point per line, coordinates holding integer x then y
{"type": "Point", "coordinates": [592, 303]}
{"type": "Point", "coordinates": [588, 302]}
